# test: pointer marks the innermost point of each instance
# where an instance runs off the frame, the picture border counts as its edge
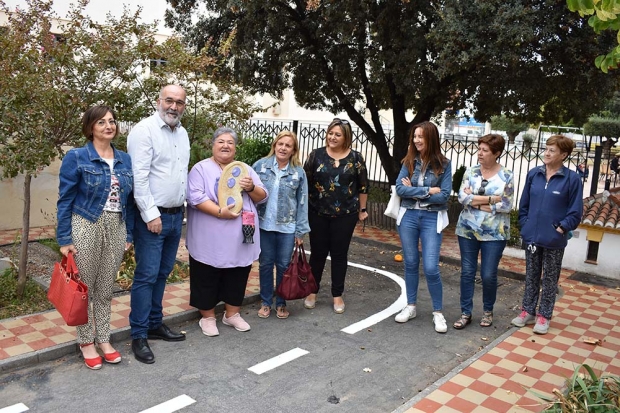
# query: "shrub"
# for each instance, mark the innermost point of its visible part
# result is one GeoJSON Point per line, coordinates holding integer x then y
{"type": "Point", "coordinates": [457, 178]}
{"type": "Point", "coordinates": [251, 150]}
{"type": "Point", "coordinates": [515, 231]}
{"type": "Point", "coordinates": [585, 393]}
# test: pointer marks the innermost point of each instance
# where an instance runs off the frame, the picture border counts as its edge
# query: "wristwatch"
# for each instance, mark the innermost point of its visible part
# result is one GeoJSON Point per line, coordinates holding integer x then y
{"type": "Point", "coordinates": [363, 210]}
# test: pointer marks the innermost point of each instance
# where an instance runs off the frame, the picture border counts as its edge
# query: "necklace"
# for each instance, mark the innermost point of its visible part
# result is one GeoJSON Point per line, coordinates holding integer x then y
{"type": "Point", "coordinates": [218, 164]}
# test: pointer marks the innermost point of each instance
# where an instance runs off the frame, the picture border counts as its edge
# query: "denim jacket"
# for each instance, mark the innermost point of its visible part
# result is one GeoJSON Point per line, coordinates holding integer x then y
{"type": "Point", "coordinates": [410, 194]}
{"type": "Point", "coordinates": [85, 185]}
{"type": "Point", "coordinates": [546, 205]}
{"type": "Point", "coordinates": [292, 195]}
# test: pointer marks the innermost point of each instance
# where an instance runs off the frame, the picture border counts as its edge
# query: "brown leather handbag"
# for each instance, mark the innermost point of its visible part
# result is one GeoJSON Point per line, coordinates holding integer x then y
{"type": "Point", "coordinates": [298, 281]}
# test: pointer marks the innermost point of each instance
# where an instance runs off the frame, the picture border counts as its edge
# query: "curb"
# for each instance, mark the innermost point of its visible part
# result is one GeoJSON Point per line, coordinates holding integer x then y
{"type": "Point", "coordinates": [70, 348]}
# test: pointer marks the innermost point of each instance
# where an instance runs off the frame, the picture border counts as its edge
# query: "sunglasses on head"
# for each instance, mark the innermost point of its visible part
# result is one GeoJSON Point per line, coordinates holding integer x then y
{"type": "Point", "coordinates": [341, 121]}
{"type": "Point", "coordinates": [483, 185]}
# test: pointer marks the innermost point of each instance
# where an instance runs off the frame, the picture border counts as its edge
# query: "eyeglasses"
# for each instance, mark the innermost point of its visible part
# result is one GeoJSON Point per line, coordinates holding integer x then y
{"type": "Point", "coordinates": [483, 185]}
{"type": "Point", "coordinates": [170, 102]}
{"type": "Point", "coordinates": [103, 122]}
{"type": "Point", "coordinates": [341, 121]}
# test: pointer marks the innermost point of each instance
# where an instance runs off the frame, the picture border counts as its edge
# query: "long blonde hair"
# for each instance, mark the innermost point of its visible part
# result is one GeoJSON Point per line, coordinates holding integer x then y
{"type": "Point", "coordinates": [294, 161]}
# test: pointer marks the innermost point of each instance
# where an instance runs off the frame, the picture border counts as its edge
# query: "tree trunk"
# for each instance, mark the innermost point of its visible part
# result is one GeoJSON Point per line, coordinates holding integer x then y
{"type": "Point", "coordinates": [23, 252]}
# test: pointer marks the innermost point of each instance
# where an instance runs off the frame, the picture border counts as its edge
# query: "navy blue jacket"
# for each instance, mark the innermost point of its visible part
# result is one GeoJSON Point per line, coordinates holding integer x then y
{"type": "Point", "coordinates": [85, 185]}
{"type": "Point", "coordinates": [546, 205]}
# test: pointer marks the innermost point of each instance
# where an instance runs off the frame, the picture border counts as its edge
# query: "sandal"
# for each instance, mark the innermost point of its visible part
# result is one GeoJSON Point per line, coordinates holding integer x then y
{"type": "Point", "coordinates": [282, 313]}
{"type": "Point", "coordinates": [462, 322]}
{"type": "Point", "coordinates": [487, 319]}
{"type": "Point", "coordinates": [264, 311]}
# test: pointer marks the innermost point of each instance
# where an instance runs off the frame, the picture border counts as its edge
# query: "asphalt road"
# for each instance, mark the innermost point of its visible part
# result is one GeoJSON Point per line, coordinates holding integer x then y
{"type": "Point", "coordinates": [376, 369]}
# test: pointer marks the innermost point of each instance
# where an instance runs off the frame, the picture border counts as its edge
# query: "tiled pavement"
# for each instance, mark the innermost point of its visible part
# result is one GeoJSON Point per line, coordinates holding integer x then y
{"type": "Point", "coordinates": [496, 380]}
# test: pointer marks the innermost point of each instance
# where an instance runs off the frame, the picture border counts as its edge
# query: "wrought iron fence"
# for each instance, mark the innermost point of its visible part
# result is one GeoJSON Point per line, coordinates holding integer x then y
{"type": "Point", "coordinates": [460, 149]}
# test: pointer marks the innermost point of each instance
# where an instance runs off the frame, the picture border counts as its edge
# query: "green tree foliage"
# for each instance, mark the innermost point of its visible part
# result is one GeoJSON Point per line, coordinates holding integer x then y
{"type": "Point", "coordinates": [521, 58]}
{"type": "Point", "coordinates": [510, 126]}
{"type": "Point", "coordinates": [604, 15]}
{"type": "Point", "coordinates": [608, 128]}
{"type": "Point", "coordinates": [51, 70]}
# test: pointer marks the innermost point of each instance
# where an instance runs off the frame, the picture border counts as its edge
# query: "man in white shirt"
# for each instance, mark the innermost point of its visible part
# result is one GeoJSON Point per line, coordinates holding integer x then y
{"type": "Point", "coordinates": [159, 149]}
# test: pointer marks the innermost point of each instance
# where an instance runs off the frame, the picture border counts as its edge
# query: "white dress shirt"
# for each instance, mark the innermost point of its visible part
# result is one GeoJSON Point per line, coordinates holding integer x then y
{"type": "Point", "coordinates": [159, 157]}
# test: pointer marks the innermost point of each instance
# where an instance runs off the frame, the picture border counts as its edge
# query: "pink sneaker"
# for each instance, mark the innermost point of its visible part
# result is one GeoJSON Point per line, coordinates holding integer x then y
{"type": "Point", "coordinates": [236, 321]}
{"type": "Point", "coordinates": [208, 327]}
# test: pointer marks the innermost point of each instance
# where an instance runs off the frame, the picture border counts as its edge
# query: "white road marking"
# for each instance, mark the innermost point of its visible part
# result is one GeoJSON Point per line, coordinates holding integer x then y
{"type": "Point", "coordinates": [171, 405]}
{"type": "Point", "coordinates": [277, 361]}
{"type": "Point", "coordinates": [16, 408]}
{"type": "Point", "coordinates": [396, 306]}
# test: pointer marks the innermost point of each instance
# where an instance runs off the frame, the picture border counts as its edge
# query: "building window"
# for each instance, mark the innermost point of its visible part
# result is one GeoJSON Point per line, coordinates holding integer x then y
{"type": "Point", "coordinates": [592, 256]}
{"type": "Point", "coordinates": [157, 63]}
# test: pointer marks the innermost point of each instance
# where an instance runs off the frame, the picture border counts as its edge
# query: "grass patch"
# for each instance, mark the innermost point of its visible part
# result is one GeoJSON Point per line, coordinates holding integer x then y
{"type": "Point", "coordinates": [52, 244]}
{"type": "Point", "coordinates": [34, 299]}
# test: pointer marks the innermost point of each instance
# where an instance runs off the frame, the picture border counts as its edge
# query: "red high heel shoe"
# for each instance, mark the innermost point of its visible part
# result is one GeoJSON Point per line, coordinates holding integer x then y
{"type": "Point", "coordinates": [94, 363]}
{"type": "Point", "coordinates": [112, 358]}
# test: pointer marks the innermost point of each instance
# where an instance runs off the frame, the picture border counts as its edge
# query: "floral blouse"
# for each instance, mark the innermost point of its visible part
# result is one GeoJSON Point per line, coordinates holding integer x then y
{"type": "Point", "coordinates": [481, 225]}
{"type": "Point", "coordinates": [334, 190]}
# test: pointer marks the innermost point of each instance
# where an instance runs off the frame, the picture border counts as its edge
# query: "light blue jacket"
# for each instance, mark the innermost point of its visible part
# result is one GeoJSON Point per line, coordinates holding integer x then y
{"type": "Point", "coordinates": [84, 187]}
{"type": "Point", "coordinates": [410, 194]}
{"type": "Point", "coordinates": [292, 195]}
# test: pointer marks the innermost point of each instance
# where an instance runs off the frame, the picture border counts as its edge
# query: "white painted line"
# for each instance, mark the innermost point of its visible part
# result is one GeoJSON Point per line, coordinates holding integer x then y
{"type": "Point", "coordinates": [277, 361]}
{"type": "Point", "coordinates": [396, 306]}
{"type": "Point", "coordinates": [171, 405]}
{"type": "Point", "coordinates": [16, 408]}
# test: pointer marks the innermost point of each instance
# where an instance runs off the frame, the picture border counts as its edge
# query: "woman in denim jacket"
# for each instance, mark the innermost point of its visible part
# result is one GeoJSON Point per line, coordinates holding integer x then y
{"type": "Point", "coordinates": [424, 185]}
{"type": "Point", "coordinates": [95, 221]}
{"type": "Point", "coordinates": [283, 219]}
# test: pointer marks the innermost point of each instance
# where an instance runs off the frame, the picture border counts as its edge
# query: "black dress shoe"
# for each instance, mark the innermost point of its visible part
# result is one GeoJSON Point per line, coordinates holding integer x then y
{"type": "Point", "coordinates": [142, 351]}
{"type": "Point", "coordinates": [164, 333]}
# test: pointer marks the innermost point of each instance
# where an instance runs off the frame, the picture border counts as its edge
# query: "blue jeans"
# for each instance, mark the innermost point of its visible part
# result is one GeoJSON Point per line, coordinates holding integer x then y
{"type": "Point", "coordinates": [491, 253]}
{"type": "Point", "coordinates": [276, 249]}
{"type": "Point", "coordinates": [420, 225]}
{"type": "Point", "coordinates": [155, 258]}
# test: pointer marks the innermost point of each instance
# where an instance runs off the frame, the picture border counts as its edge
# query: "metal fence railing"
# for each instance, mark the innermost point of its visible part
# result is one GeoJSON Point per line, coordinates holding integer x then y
{"type": "Point", "coordinates": [460, 149]}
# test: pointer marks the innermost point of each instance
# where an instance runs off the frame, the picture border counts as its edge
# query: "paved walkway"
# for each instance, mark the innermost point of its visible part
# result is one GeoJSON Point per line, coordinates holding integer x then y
{"type": "Point", "coordinates": [495, 380]}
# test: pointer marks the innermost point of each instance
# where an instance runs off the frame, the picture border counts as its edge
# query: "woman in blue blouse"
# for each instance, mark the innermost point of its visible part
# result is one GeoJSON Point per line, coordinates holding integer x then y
{"type": "Point", "coordinates": [484, 226]}
{"type": "Point", "coordinates": [338, 190]}
{"type": "Point", "coordinates": [424, 185]}
{"type": "Point", "coordinates": [283, 218]}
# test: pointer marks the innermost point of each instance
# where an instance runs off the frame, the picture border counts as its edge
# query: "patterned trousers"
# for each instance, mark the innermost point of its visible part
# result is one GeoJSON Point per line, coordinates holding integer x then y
{"type": "Point", "coordinates": [100, 248]}
{"type": "Point", "coordinates": [540, 260]}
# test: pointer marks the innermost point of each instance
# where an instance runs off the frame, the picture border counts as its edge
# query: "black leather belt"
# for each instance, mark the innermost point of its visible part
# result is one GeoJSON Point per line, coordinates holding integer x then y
{"type": "Point", "coordinates": [174, 210]}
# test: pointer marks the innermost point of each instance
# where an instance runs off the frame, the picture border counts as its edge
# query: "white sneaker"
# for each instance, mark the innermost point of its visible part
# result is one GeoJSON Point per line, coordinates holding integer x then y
{"type": "Point", "coordinates": [406, 314]}
{"type": "Point", "coordinates": [522, 319]}
{"type": "Point", "coordinates": [440, 322]}
{"type": "Point", "coordinates": [542, 325]}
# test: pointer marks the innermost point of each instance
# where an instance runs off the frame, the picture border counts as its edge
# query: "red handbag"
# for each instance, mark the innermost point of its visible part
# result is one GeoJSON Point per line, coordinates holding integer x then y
{"type": "Point", "coordinates": [68, 292]}
{"type": "Point", "coordinates": [298, 281]}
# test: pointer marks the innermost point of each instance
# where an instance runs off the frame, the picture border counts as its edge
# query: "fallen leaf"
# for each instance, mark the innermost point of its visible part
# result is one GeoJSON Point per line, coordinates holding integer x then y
{"type": "Point", "coordinates": [362, 348]}
{"type": "Point", "coordinates": [592, 340]}
{"type": "Point", "coordinates": [525, 369]}
{"type": "Point", "coordinates": [484, 338]}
